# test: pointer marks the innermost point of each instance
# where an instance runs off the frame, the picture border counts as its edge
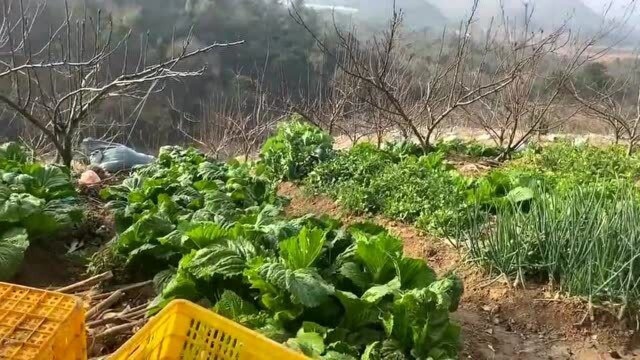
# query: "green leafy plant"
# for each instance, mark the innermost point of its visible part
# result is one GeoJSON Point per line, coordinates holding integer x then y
{"type": "Point", "coordinates": [348, 177]}
{"type": "Point", "coordinates": [295, 149]}
{"type": "Point", "coordinates": [13, 244]}
{"type": "Point", "coordinates": [181, 202]}
{"type": "Point", "coordinates": [469, 148]}
{"type": "Point", "coordinates": [565, 166]}
{"type": "Point", "coordinates": [584, 241]}
{"type": "Point", "coordinates": [218, 238]}
{"type": "Point", "coordinates": [396, 183]}
{"type": "Point", "coordinates": [417, 186]}
{"type": "Point", "coordinates": [36, 201]}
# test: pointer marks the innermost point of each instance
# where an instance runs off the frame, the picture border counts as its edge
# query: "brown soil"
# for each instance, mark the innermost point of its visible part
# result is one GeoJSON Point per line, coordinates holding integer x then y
{"type": "Point", "coordinates": [45, 265]}
{"type": "Point", "coordinates": [48, 262]}
{"type": "Point", "coordinates": [498, 321]}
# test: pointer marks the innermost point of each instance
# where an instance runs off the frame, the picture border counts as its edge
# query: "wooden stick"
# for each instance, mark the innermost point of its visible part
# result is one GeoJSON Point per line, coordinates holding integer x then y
{"type": "Point", "coordinates": [105, 304]}
{"type": "Point", "coordinates": [134, 309]}
{"type": "Point", "coordinates": [103, 295]}
{"type": "Point", "coordinates": [125, 315]}
{"type": "Point", "coordinates": [123, 288]}
{"type": "Point", "coordinates": [134, 286]}
{"type": "Point", "coordinates": [86, 283]}
{"type": "Point", "coordinates": [116, 330]}
{"type": "Point", "coordinates": [136, 314]}
{"type": "Point", "coordinates": [93, 324]}
{"type": "Point", "coordinates": [139, 307]}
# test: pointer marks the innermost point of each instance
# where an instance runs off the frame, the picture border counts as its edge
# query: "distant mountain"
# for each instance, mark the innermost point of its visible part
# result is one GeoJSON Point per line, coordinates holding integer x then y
{"type": "Point", "coordinates": [546, 13]}
{"type": "Point", "coordinates": [418, 14]}
{"type": "Point", "coordinates": [583, 16]}
{"type": "Point", "coordinates": [621, 10]}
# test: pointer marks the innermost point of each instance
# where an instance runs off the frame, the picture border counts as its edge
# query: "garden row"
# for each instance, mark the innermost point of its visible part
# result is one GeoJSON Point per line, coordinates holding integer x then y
{"type": "Point", "coordinates": [213, 233]}
{"type": "Point", "coordinates": [560, 212]}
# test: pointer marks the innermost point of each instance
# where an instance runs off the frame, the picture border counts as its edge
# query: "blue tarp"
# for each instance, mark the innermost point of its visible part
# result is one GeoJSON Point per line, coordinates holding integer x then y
{"type": "Point", "coordinates": [113, 157]}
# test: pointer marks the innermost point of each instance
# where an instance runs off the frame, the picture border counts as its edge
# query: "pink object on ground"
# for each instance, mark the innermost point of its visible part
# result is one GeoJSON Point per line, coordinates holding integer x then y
{"type": "Point", "coordinates": [89, 177]}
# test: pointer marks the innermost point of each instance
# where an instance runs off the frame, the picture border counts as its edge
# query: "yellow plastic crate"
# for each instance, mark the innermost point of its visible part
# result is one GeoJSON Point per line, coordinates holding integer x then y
{"type": "Point", "coordinates": [38, 324]}
{"type": "Point", "coordinates": [186, 331]}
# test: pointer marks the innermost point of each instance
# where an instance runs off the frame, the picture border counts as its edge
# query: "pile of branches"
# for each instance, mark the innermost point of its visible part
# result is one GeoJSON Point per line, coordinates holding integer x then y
{"type": "Point", "coordinates": [112, 313]}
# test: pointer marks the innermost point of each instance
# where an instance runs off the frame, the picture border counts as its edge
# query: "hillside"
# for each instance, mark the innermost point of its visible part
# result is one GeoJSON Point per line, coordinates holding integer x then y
{"type": "Point", "coordinates": [420, 14]}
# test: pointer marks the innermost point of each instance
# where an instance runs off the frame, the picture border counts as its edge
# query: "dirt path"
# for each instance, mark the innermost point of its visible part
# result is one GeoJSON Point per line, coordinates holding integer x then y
{"type": "Point", "coordinates": [499, 322]}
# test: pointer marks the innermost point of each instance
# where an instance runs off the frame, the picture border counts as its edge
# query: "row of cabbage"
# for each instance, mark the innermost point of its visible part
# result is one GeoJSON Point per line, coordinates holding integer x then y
{"type": "Point", "coordinates": [214, 233]}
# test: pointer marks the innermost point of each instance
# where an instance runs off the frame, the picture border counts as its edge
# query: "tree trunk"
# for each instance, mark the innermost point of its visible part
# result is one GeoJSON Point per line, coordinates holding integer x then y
{"type": "Point", "coordinates": [504, 155]}
{"type": "Point", "coordinates": [67, 155]}
{"type": "Point", "coordinates": [426, 143]}
{"type": "Point", "coordinates": [65, 151]}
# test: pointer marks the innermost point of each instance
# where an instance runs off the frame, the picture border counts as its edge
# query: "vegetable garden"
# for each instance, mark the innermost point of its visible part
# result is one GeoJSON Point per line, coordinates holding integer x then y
{"type": "Point", "coordinates": [216, 233]}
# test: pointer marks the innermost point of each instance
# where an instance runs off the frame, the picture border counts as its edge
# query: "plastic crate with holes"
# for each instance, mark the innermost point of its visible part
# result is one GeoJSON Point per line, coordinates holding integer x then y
{"type": "Point", "coordinates": [186, 331]}
{"type": "Point", "coordinates": [39, 324]}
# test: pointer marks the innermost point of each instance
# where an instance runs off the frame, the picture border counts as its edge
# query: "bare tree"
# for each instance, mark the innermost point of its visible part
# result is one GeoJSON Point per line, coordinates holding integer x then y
{"type": "Point", "coordinates": [234, 124]}
{"type": "Point", "coordinates": [56, 84]}
{"type": "Point", "coordinates": [335, 107]}
{"type": "Point", "coordinates": [530, 104]}
{"type": "Point", "coordinates": [616, 104]}
{"type": "Point", "coordinates": [418, 98]}
{"type": "Point", "coordinates": [333, 103]}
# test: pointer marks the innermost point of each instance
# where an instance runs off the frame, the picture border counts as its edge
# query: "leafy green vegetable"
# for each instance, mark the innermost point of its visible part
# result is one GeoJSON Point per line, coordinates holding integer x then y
{"type": "Point", "coordinates": [12, 152]}
{"type": "Point", "coordinates": [220, 238]}
{"type": "Point", "coordinates": [301, 251]}
{"type": "Point", "coordinates": [377, 253]}
{"type": "Point", "coordinates": [469, 148]}
{"type": "Point", "coordinates": [180, 286]}
{"type": "Point", "coordinates": [215, 260]}
{"type": "Point", "coordinates": [36, 201]}
{"type": "Point", "coordinates": [399, 181]}
{"type": "Point", "coordinates": [307, 287]}
{"type": "Point", "coordinates": [520, 194]}
{"type": "Point", "coordinates": [295, 149]}
{"type": "Point", "coordinates": [232, 306]}
{"type": "Point", "coordinates": [19, 206]}
{"type": "Point", "coordinates": [308, 343]}
{"type": "Point", "coordinates": [13, 244]}
{"type": "Point", "coordinates": [348, 177]}
{"type": "Point", "coordinates": [48, 182]}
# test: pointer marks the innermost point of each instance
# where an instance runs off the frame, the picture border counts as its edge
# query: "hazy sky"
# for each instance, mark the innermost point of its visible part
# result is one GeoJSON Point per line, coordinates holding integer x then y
{"type": "Point", "coordinates": [599, 5]}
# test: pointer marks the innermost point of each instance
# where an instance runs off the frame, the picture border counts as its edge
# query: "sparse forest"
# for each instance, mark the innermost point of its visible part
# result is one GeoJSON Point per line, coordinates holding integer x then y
{"type": "Point", "coordinates": [268, 61]}
{"type": "Point", "coordinates": [350, 180]}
